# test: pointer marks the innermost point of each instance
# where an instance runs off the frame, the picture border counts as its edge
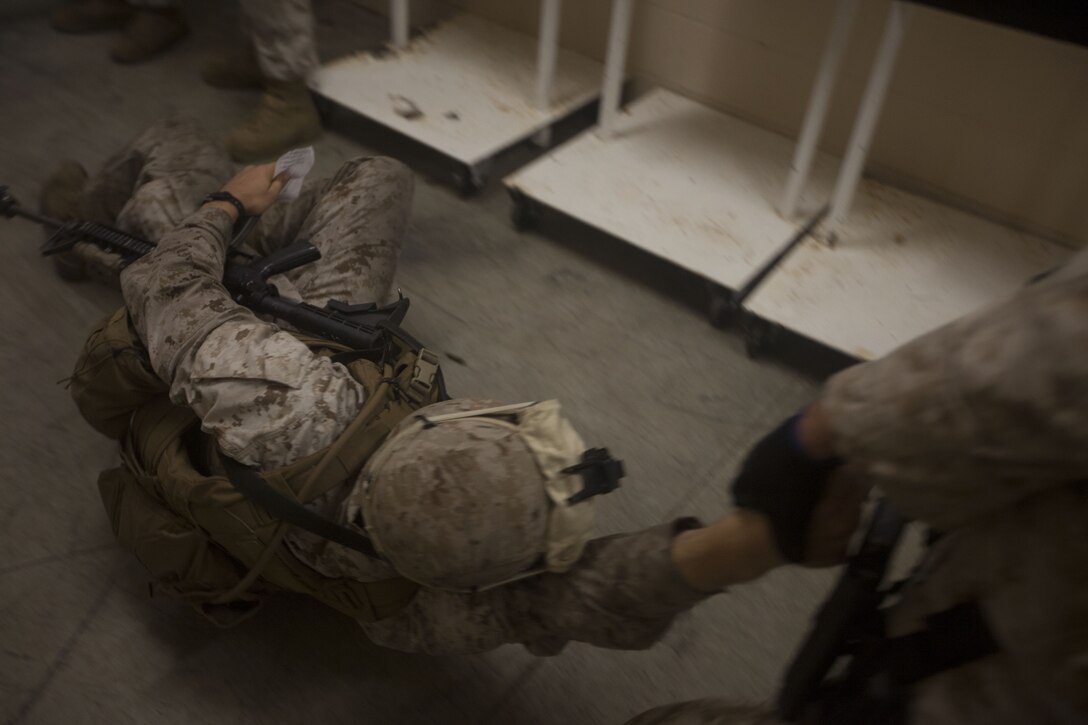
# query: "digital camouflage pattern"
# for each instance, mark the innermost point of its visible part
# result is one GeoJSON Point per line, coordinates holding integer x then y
{"type": "Point", "coordinates": [259, 390]}
{"type": "Point", "coordinates": [979, 429]}
{"type": "Point", "coordinates": [268, 400]}
{"type": "Point", "coordinates": [282, 33]}
{"type": "Point", "coordinates": [623, 593]}
{"type": "Point", "coordinates": [494, 485]}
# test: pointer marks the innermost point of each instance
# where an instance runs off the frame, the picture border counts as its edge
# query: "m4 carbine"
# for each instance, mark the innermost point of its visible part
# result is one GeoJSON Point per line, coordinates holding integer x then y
{"type": "Point", "coordinates": [245, 277]}
{"type": "Point", "coordinates": [848, 623]}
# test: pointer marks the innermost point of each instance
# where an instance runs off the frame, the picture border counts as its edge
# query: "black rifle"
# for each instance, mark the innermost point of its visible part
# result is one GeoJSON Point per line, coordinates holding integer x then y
{"type": "Point", "coordinates": [245, 277]}
{"type": "Point", "coordinates": [848, 621]}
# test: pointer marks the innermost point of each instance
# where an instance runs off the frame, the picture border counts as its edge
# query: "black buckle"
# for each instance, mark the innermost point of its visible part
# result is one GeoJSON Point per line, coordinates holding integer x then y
{"type": "Point", "coordinates": [601, 473]}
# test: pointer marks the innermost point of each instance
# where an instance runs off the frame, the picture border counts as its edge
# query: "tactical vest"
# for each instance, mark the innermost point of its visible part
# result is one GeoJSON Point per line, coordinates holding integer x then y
{"type": "Point", "coordinates": [171, 504]}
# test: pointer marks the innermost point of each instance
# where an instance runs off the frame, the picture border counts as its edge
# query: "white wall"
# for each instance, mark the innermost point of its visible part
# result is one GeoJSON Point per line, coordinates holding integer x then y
{"type": "Point", "coordinates": [991, 118]}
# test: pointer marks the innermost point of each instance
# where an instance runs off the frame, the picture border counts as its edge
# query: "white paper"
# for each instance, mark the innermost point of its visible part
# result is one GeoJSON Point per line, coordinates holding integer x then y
{"type": "Point", "coordinates": [296, 163]}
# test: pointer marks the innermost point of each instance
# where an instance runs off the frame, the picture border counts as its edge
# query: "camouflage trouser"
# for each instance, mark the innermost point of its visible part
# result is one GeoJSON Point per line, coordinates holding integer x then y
{"type": "Point", "coordinates": [356, 219]}
{"type": "Point", "coordinates": [282, 33]}
{"type": "Point", "coordinates": [624, 593]}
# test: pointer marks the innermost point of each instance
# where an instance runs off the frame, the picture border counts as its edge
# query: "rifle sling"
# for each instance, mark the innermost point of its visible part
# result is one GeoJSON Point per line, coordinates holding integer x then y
{"type": "Point", "coordinates": [250, 484]}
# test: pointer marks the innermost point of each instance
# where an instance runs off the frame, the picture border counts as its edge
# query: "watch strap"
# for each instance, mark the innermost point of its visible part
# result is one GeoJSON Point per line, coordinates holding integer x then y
{"type": "Point", "coordinates": [230, 198]}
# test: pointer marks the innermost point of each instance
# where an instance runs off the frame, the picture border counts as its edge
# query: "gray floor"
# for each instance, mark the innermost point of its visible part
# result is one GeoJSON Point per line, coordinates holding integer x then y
{"type": "Point", "coordinates": [559, 313]}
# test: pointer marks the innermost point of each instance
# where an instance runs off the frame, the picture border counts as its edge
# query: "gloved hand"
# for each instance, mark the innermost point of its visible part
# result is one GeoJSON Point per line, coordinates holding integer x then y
{"type": "Point", "coordinates": [779, 479]}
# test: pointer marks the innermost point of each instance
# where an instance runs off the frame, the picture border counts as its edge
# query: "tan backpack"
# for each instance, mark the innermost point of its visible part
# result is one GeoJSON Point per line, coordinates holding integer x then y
{"type": "Point", "coordinates": [171, 504]}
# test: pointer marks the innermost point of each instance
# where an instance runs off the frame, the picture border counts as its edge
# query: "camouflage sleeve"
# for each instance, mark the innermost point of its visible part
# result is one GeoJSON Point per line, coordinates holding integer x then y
{"type": "Point", "coordinates": [978, 414]}
{"type": "Point", "coordinates": [264, 395]}
{"type": "Point", "coordinates": [624, 593]}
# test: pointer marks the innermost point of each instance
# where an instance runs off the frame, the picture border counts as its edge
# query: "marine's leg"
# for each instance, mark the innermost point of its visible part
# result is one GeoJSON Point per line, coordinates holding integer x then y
{"type": "Point", "coordinates": [147, 189]}
{"type": "Point", "coordinates": [159, 179]}
{"type": "Point", "coordinates": [357, 219]}
{"type": "Point", "coordinates": [282, 32]}
{"type": "Point", "coordinates": [624, 593]}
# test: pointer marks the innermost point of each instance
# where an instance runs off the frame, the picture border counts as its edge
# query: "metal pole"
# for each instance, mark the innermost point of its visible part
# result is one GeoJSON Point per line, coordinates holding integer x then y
{"type": "Point", "coordinates": [547, 55]}
{"type": "Point", "coordinates": [547, 52]}
{"type": "Point", "coordinates": [865, 124]}
{"type": "Point", "coordinates": [618, 35]}
{"type": "Point", "coordinates": [398, 20]}
{"type": "Point", "coordinates": [816, 114]}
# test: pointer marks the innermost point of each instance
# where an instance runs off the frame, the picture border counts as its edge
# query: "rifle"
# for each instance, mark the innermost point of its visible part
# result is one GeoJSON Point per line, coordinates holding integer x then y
{"type": "Point", "coordinates": [848, 620]}
{"type": "Point", "coordinates": [245, 277]}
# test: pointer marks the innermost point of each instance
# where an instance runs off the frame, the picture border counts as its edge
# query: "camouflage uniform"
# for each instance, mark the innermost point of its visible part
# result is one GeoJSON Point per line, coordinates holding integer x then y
{"type": "Point", "coordinates": [282, 33]}
{"type": "Point", "coordinates": [979, 429]}
{"type": "Point", "coordinates": [268, 400]}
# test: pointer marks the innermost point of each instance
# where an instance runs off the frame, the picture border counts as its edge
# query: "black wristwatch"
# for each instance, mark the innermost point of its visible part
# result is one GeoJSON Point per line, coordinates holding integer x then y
{"type": "Point", "coordinates": [228, 197]}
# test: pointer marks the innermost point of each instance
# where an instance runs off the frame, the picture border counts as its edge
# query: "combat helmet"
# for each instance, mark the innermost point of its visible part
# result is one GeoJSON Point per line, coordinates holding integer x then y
{"type": "Point", "coordinates": [467, 494]}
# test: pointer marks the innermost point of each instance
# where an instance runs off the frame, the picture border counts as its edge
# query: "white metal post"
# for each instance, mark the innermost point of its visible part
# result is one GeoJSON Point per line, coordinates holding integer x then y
{"type": "Point", "coordinates": [547, 55]}
{"type": "Point", "coordinates": [614, 67]}
{"type": "Point", "coordinates": [547, 52]}
{"type": "Point", "coordinates": [865, 124]}
{"type": "Point", "coordinates": [813, 126]}
{"type": "Point", "coordinates": [398, 21]}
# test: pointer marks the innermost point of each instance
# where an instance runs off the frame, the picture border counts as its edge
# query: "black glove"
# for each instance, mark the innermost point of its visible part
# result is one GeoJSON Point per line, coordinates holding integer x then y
{"type": "Point", "coordinates": [780, 480]}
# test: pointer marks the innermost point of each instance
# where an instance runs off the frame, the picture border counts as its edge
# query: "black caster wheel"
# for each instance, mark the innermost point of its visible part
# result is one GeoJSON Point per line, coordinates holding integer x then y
{"type": "Point", "coordinates": [525, 213]}
{"type": "Point", "coordinates": [469, 181]}
{"type": "Point", "coordinates": [722, 306]}
{"type": "Point", "coordinates": [759, 336]}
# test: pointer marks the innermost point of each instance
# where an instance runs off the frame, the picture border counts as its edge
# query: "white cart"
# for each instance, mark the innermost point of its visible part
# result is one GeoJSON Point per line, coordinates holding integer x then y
{"type": "Point", "coordinates": [467, 88]}
{"type": "Point", "coordinates": [786, 236]}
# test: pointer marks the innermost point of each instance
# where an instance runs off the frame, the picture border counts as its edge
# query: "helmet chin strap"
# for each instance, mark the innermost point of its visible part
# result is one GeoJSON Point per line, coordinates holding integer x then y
{"type": "Point", "coordinates": [496, 412]}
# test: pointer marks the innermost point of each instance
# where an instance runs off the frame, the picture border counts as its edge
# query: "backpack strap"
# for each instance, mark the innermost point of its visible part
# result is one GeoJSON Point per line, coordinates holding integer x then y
{"type": "Point", "coordinates": [404, 386]}
{"type": "Point", "coordinates": [253, 486]}
{"type": "Point", "coordinates": [379, 415]}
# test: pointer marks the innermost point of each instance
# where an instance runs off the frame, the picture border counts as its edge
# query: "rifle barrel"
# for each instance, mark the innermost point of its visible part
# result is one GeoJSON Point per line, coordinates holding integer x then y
{"type": "Point", "coordinates": [316, 321]}
{"type": "Point", "coordinates": [42, 219]}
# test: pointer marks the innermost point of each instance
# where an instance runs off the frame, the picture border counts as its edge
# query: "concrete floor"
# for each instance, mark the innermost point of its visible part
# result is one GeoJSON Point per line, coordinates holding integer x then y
{"type": "Point", "coordinates": [564, 313]}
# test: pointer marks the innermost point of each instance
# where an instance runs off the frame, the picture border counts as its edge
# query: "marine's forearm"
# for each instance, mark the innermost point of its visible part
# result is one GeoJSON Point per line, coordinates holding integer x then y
{"type": "Point", "coordinates": [175, 294]}
{"type": "Point", "coordinates": [998, 396]}
{"type": "Point", "coordinates": [737, 548]}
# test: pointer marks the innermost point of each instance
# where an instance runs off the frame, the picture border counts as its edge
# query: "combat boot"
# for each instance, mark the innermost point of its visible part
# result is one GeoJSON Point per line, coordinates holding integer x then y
{"type": "Point", "coordinates": [285, 118]}
{"type": "Point", "coordinates": [233, 69]}
{"type": "Point", "coordinates": [61, 198]}
{"type": "Point", "coordinates": [150, 31]}
{"type": "Point", "coordinates": [90, 16]}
